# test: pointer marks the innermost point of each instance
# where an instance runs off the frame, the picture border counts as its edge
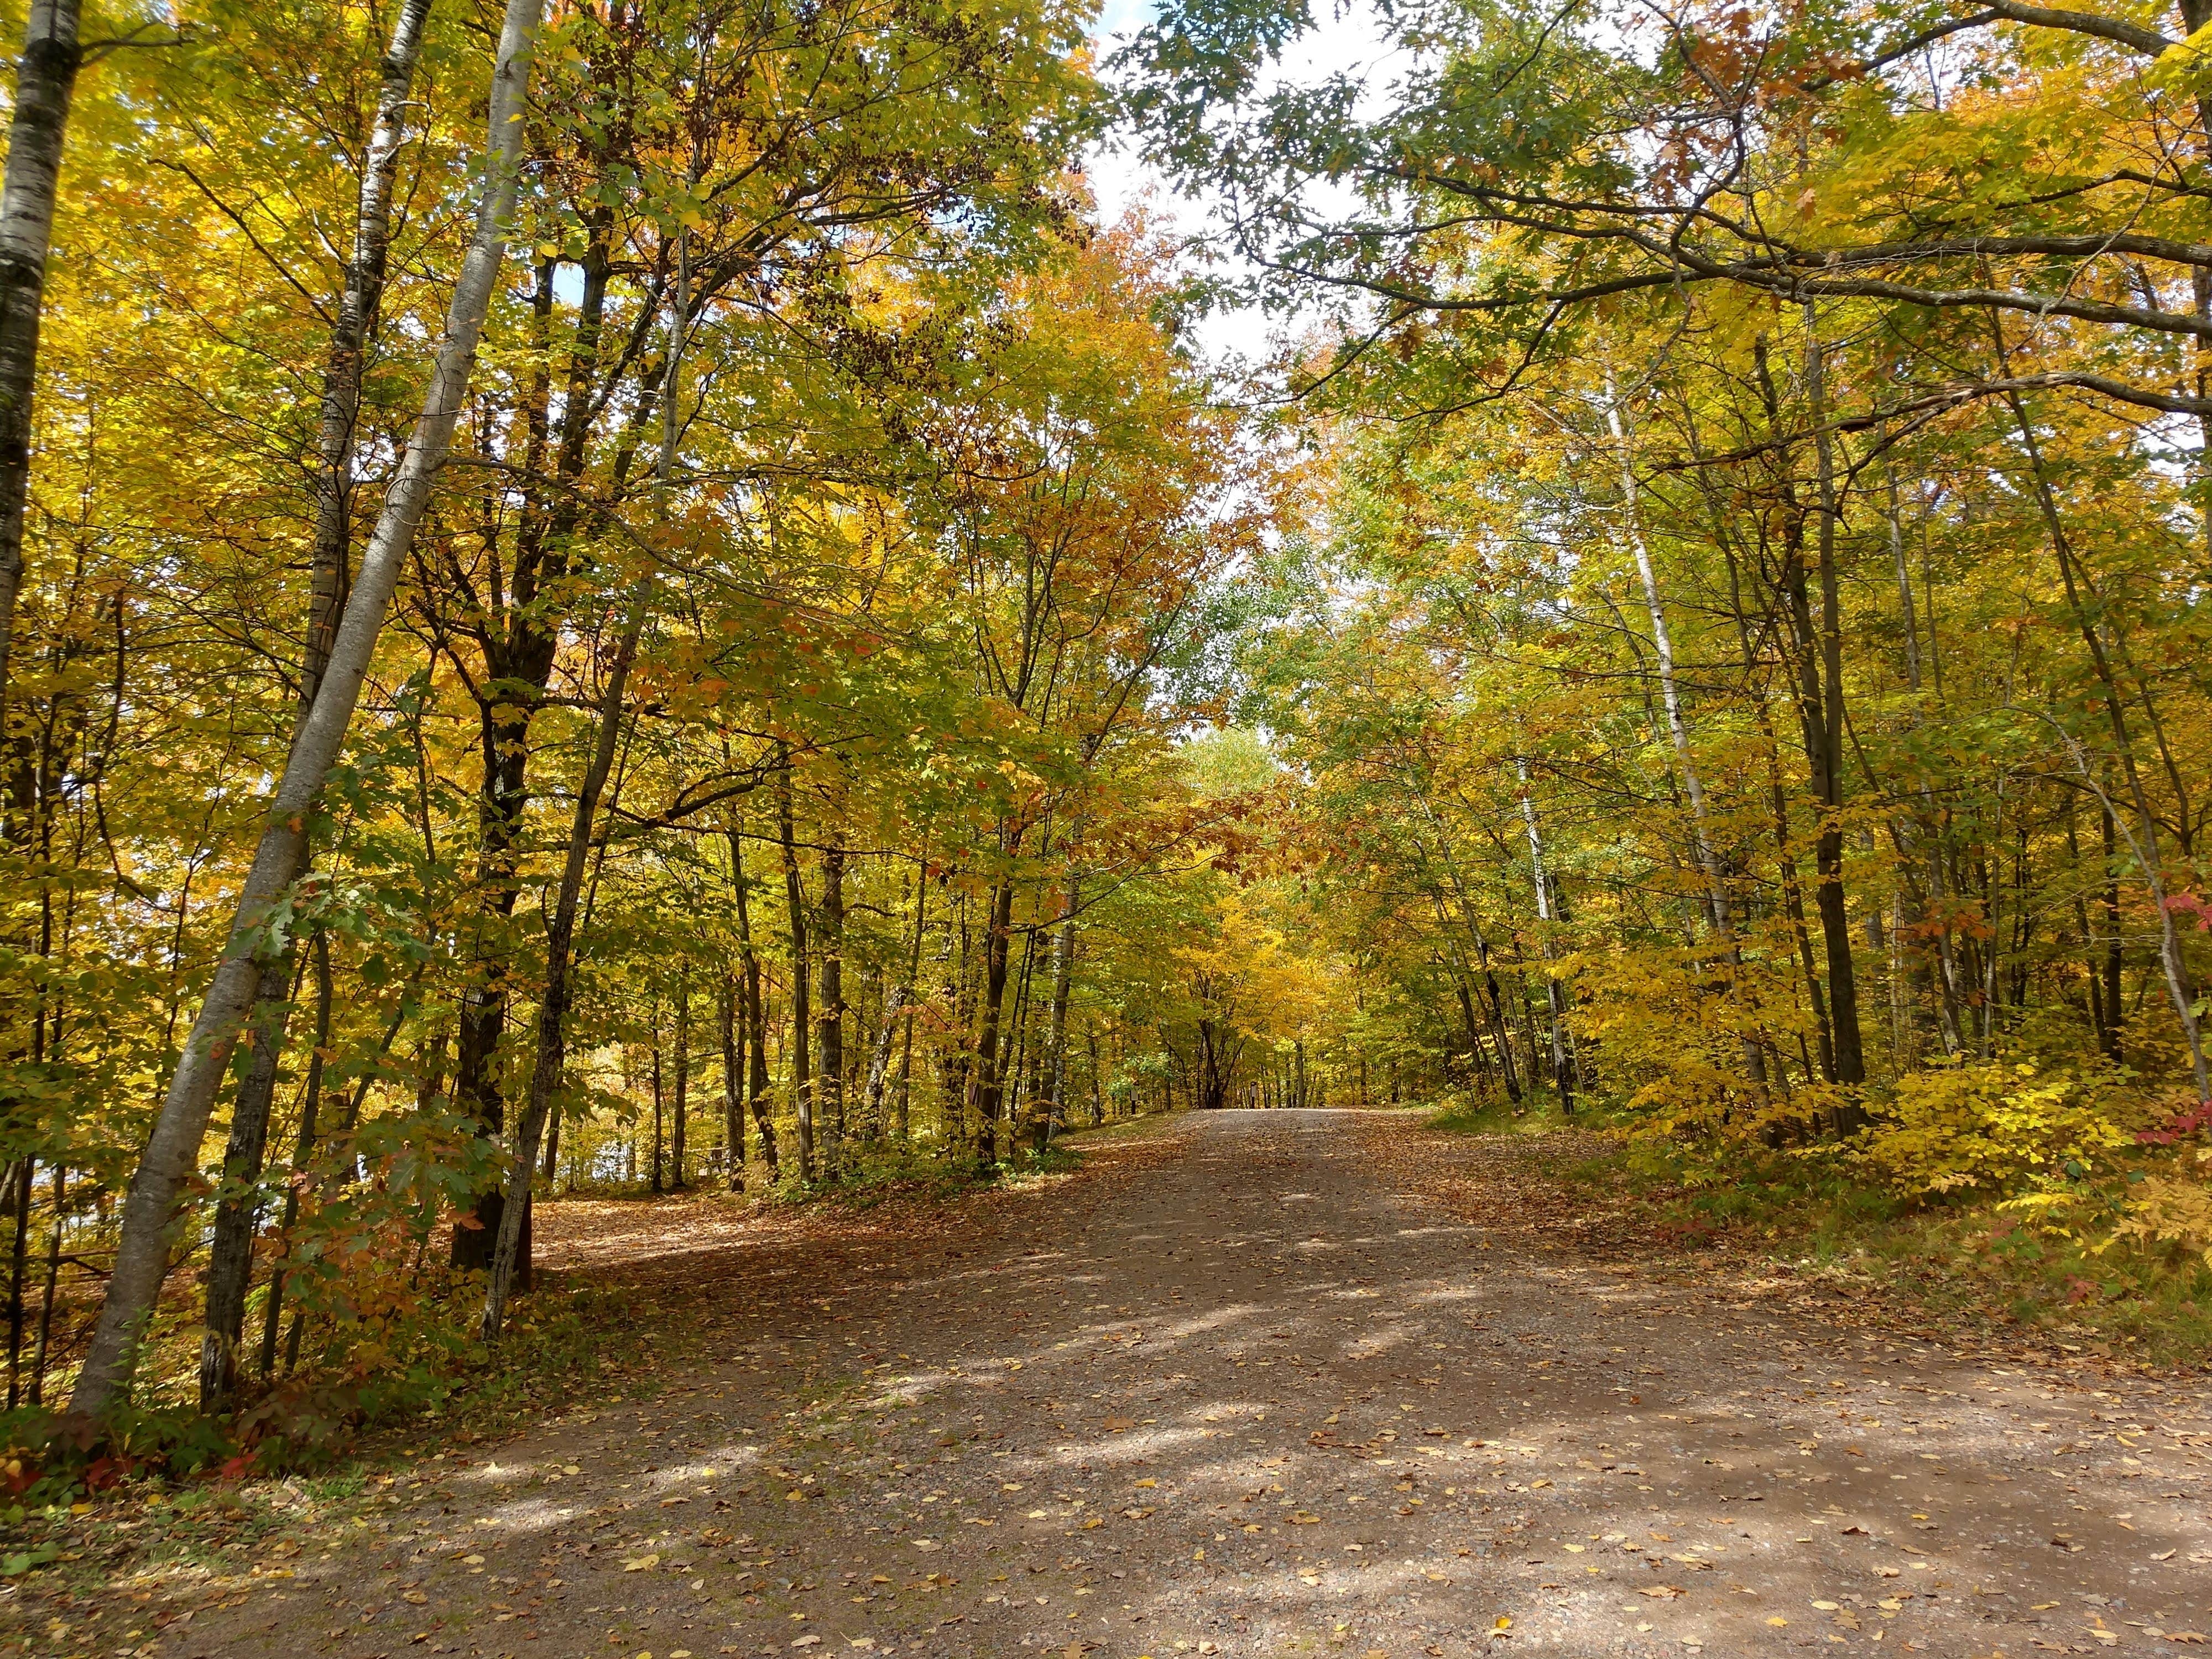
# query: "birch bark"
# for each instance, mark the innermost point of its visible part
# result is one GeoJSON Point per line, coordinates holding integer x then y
{"type": "Point", "coordinates": [45, 76]}
{"type": "Point", "coordinates": [230, 1257]}
{"type": "Point", "coordinates": [172, 1150]}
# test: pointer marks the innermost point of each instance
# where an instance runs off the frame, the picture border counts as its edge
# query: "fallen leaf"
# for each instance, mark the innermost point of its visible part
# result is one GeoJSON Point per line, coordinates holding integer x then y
{"type": "Point", "coordinates": [642, 1563]}
{"type": "Point", "coordinates": [1668, 1593]}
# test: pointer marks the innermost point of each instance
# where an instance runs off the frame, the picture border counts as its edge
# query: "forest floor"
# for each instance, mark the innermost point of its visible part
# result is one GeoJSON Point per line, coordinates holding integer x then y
{"type": "Point", "coordinates": [1246, 1384]}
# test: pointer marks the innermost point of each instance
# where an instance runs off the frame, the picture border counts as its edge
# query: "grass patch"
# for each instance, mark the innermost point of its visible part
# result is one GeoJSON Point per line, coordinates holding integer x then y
{"type": "Point", "coordinates": [1491, 1113]}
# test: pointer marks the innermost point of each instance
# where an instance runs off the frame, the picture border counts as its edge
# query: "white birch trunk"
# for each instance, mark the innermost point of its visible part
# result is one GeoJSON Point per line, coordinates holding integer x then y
{"type": "Point", "coordinates": [172, 1150]}
{"type": "Point", "coordinates": [1678, 729]}
{"type": "Point", "coordinates": [45, 76]}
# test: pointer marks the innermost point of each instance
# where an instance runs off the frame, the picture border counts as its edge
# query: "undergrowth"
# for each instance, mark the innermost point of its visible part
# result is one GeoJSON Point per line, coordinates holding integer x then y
{"type": "Point", "coordinates": [567, 1341]}
{"type": "Point", "coordinates": [52, 1464]}
{"type": "Point", "coordinates": [2053, 1260]}
{"type": "Point", "coordinates": [1536, 1113]}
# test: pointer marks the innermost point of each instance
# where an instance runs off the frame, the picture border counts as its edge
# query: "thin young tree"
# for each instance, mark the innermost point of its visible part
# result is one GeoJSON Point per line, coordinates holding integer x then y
{"type": "Point", "coordinates": [172, 1151]}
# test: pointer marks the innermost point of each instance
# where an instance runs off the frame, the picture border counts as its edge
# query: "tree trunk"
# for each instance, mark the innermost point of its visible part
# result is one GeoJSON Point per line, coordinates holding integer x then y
{"type": "Point", "coordinates": [20, 1176]}
{"type": "Point", "coordinates": [1018, 1092]}
{"type": "Point", "coordinates": [44, 1344]}
{"type": "Point", "coordinates": [733, 1069]}
{"type": "Point", "coordinates": [237, 1207]}
{"type": "Point", "coordinates": [509, 1245]}
{"type": "Point", "coordinates": [45, 76]}
{"type": "Point", "coordinates": [679, 1146]}
{"type": "Point", "coordinates": [1063, 974]}
{"type": "Point", "coordinates": [898, 1011]}
{"type": "Point", "coordinates": [1718, 910]}
{"type": "Point", "coordinates": [518, 667]}
{"type": "Point", "coordinates": [831, 1017]}
{"type": "Point", "coordinates": [1497, 1001]}
{"type": "Point", "coordinates": [1828, 849]}
{"type": "Point", "coordinates": [1562, 1069]}
{"type": "Point", "coordinates": [659, 1124]}
{"type": "Point", "coordinates": [303, 1149]}
{"type": "Point", "coordinates": [2145, 848]}
{"type": "Point", "coordinates": [802, 1095]}
{"type": "Point", "coordinates": [1793, 901]}
{"type": "Point", "coordinates": [988, 1086]}
{"type": "Point", "coordinates": [172, 1150]}
{"type": "Point", "coordinates": [2115, 1020]}
{"type": "Point", "coordinates": [230, 1253]}
{"type": "Point", "coordinates": [509, 1268]}
{"type": "Point", "coordinates": [755, 1016]}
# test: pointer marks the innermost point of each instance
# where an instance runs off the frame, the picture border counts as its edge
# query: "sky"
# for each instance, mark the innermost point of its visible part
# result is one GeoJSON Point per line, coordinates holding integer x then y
{"type": "Point", "coordinates": [1343, 35]}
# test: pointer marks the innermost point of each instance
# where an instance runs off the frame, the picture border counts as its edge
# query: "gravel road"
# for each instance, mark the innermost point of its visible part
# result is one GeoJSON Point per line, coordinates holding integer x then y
{"type": "Point", "coordinates": [1263, 1383]}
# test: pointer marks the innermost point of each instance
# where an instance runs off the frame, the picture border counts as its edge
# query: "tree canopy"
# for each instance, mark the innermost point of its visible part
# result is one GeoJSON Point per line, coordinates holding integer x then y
{"type": "Point", "coordinates": [643, 595]}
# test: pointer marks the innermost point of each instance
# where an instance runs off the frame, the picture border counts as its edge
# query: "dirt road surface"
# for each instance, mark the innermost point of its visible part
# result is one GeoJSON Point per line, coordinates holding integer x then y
{"type": "Point", "coordinates": [1269, 1384]}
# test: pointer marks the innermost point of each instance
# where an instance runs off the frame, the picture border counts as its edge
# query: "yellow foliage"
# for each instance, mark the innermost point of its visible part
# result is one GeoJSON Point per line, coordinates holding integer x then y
{"type": "Point", "coordinates": [2172, 1209]}
{"type": "Point", "coordinates": [1989, 1128]}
